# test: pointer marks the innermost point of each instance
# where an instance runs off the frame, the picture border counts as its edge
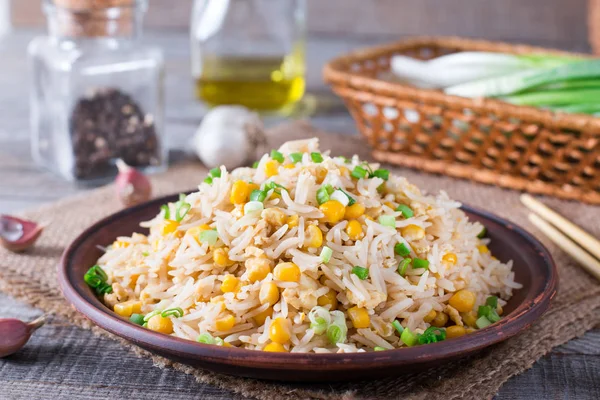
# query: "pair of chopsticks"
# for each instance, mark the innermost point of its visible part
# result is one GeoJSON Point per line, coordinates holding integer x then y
{"type": "Point", "coordinates": [573, 240]}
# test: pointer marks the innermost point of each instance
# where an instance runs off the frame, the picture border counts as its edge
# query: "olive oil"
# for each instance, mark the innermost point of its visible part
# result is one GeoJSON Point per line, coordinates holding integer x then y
{"type": "Point", "coordinates": [260, 83]}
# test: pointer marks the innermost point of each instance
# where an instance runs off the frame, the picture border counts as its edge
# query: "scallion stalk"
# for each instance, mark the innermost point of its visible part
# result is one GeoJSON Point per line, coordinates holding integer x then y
{"type": "Point", "coordinates": [326, 254]}
{"type": "Point", "coordinates": [388, 220]}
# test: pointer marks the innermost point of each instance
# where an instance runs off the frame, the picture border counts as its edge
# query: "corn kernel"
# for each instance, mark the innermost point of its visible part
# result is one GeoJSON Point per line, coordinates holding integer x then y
{"type": "Point", "coordinates": [160, 324]}
{"type": "Point", "coordinates": [344, 171]}
{"type": "Point", "coordinates": [499, 309]}
{"type": "Point", "coordinates": [127, 308]}
{"type": "Point", "coordinates": [469, 319]}
{"type": "Point", "coordinates": [287, 271]}
{"type": "Point", "coordinates": [195, 231]}
{"type": "Point", "coordinates": [240, 192]}
{"type": "Point", "coordinates": [289, 166]}
{"type": "Point", "coordinates": [328, 299]}
{"type": "Point", "coordinates": [169, 226]}
{"type": "Point", "coordinates": [320, 174]}
{"type": "Point", "coordinates": [269, 293]}
{"type": "Point", "coordinates": [133, 280]}
{"type": "Point", "coordinates": [292, 221]}
{"type": "Point", "coordinates": [463, 300]}
{"type": "Point", "coordinates": [390, 205]}
{"type": "Point", "coordinates": [483, 249]}
{"type": "Point", "coordinates": [313, 236]}
{"type": "Point", "coordinates": [354, 211]}
{"type": "Point", "coordinates": [440, 320]}
{"type": "Point", "coordinates": [430, 316]}
{"type": "Point", "coordinates": [470, 330]}
{"type": "Point", "coordinates": [455, 331]}
{"type": "Point", "coordinates": [225, 323]}
{"type": "Point", "coordinates": [258, 268]}
{"type": "Point", "coordinates": [275, 347]}
{"type": "Point", "coordinates": [279, 331]}
{"type": "Point", "coordinates": [450, 258]}
{"type": "Point", "coordinates": [120, 244]}
{"type": "Point", "coordinates": [274, 217]}
{"type": "Point", "coordinates": [260, 318]}
{"type": "Point", "coordinates": [354, 230]}
{"type": "Point", "coordinates": [412, 232]}
{"type": "Point", "coordinates": [271, 168]}
{"type": "Point", "coordinates": [230, 284]}
{"type": "Point", "coordinates": [359, 317]}
{"type": "Point", "coordinates": [334, 211]}
{"type": "Point", "coordinates": [221, 257]}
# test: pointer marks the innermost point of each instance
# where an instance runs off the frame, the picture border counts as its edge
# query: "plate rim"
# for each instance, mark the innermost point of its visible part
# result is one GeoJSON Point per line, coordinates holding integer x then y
{"type": "Point", "coordinates": [103, 317]}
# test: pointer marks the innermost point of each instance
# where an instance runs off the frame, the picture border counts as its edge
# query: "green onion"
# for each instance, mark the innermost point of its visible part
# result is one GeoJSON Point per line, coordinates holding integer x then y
{"type": "Point", "coordinates": [295, 157]}
{"type": "Point", "coordinates": [406, 211]}
{"type": "Point", "coordinates": [208, 180]}
{"type": "Point", "coordinates": [489, 312]}
{"type": "Point", "coordinates": [482, 322]}
{"type": "Point", "coordinates": [401, 249]}
{"type": "Point", "coordinates": [137, 319]}
{"type": "Point", "coordinates": [403, 266]}
{"type": "Point", "coordinates": [334, 334]}
{"type": "Point", "coordinates": [215, 172]}
{"type": "Point", "coordinates": [378, 348]}
{"type": "Point", "coordinates": [492, 301]}
{"type": "Point", "coordinates": [420, 263]}
{"type": "Point", "coordinates": [326, 254]}
{"type": "Point", "coordinates": [165, 211]}
{"type": "Point", "coordinates": [351, 200]}
{"type": "Point", "coordinates": [255, 164]}
{"type": "Point", "coordinates": [145, 254]}
{"type": "Point", "coordinates": [273, 186]}
{"type": "Point", "coordinates": [358, 172]}
{"type": "Point", "coordinates": [319, 318]}
{"type": "Point", "coordinates": [252, 207]}
{"type": "Point", "coordinates": [316, 157]}
{"type": "Point", "coordinates": [408, 338]}
{"type": "Point", "coordinates": [319, 326]}
{"type": "Point", "coordinates": [388, 220]}
{"type": "Point", "coordinates": [96, 278]}
{"type": "Point", "coordinates": [219, 341]}
{"type": "Point", "coordinates": [397, 326]}
{"type": "Point", "coordinates": [277, 156]}
{"type": "Point", "coordinates": [432, 335]}
{"type": "Point", "coordinates": [181, 208]}
{"type": "Point", "coordinates": [341, 197]}
{"type": "Point", "coordinates": [337, 330]}
{"type": "Point", "coordinates": [258, 195]}
{"type": "Point", "coordinates": [323, 194]}
{"type": "Point", "coordinates": [482, 234]}
{"type": "Point", "coordinates": [150, 315]}
{"type": "Point", "coordinates": [210, 236]}
{"type": "Point", "coordinates": [381, 173]}
{"type": "Point", "coordinates": [176, 312]}
{"type": "Point", "coordinates": [206, 338]}
{"type": "Point", "coordinates": [362, 273]}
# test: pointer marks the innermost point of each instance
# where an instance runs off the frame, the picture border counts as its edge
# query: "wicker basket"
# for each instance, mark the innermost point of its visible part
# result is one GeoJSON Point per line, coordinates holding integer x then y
{"type": "Point", "coordinates": [484, 140]}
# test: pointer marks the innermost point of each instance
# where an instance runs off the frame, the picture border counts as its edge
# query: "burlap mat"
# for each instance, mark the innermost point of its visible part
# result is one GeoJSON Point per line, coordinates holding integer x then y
{"type": "Point", "coordinates": [31, 278]}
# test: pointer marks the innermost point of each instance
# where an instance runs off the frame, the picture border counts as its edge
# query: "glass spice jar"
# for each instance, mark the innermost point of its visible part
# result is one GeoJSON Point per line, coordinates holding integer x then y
{"type": "Point", "coordinates": [97, 92]}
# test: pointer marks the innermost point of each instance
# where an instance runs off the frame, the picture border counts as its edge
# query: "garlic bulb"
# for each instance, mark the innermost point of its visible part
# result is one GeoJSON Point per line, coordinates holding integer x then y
{"type": "Point", "coordinates": [229, 136]}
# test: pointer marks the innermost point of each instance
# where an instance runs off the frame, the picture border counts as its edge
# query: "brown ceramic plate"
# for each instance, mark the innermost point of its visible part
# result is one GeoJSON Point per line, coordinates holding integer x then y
{"type": "Point", "coordinates": [533, 266]}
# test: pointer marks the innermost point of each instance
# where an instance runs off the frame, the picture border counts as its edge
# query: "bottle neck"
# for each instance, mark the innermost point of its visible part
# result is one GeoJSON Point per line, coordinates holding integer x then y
{"type": "Point", "coordinates": [116, 22]}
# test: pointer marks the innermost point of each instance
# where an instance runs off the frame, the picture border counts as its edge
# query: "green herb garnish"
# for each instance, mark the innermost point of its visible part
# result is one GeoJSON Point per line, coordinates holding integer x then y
{"type": "Point", "coordinates": [362, 273]}
{"type": "Point", "coordinates": [137, 319]}
{"type": "Point", "coordinates": [277, 156]}
{"type": "Point", "coordinates": [406, 211]}
{"type": "Point", "coordinates": [401, 249]}
{"type": "Point", "coordinates": [323, 193]}
{"type": "Point", "coordinates": [358, 172]}
{"type": "Point", "coordinates": [96, 278]}
{"type": "Point", "coordinates": [482, 234]}
{"type": "Point", "coordinates": [432, 334]}
{"type": "Point", "coordinates": [420, 263]}
{"type": "Point", "coordinates": [258, 195]}
{"type": "Point", "coordinates": [295, 157]}
{"type": "Point", "coordinates": [316, 157]}
{"type": "Point", "coordinates": [182, 208]}
{"type": "Point", "coordinates": [176, 312]}
{"type": "Point", "coordinates": [398, 327]}
{"type": "Point", "coordinates": [255, 164]}
{"type": "Point", "coordinates": [378, 348]}
{"type": "Point", "coordinates": [403, 266]}
{"type": "Point", "coordinates": [381, 173]}
{"type": "Point", "coordinates": [166, 212]}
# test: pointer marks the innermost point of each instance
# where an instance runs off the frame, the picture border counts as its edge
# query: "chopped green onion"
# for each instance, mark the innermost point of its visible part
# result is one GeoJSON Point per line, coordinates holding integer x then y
{"type": "Point", "coordinates": [176, 312]}
{"type": "Point", "coordinates": [277, 156]}
{"type": "Point", "coordinates": [215, 172]}
{"type": "Point", "coordinates": [96, 278]}
{"type": "Point", "coordinates": [482, 234]}
{"type": "Point", "coordinates": [401, 249]}
{"type": "Point", "coordinates": [397, 326]}
{"type": "Point", "coordinates": [378, 348]}
{"type": "Point", "coordinates": [219, 341]}
{"type": "Point", "coordinates": [209, 236]}
{"type": "Point", "coordinates": [334, 334]}
{"type": "Point", "coordinates": [295, 157]}
{"type": "Point", "coordinates": [258, 195]}
{"type": "Point", "coordinates": [341, 197]}
{"type": "Point", "coordinates": [145, 254]}
{"type": "Point", "coordinates": [166, 211]}
{"type": "Point", "coordinates": [388, 220]}
{"type": "Point", "coordinates": [406, 211]}
{"type": "Point", "coordinates": [323, 194]}
{"type": "Point", "coordinates": [337, 330]}
{"type": "Point", "coordinates": [208, 180]}
{"type": "Point", "coordinates": [255, 164]}
{"type": "Point", "coordinates": [273, 186]}
{"type": "Point", "coordinates": [346, 160]}
{"type": "Point", "coordinates": [381, 173]}
{"type": "Point", "coordinates": [432, 334]}
{"type": "Point", "coordinates": [206, 338]}
{"type": "Point", "coordinates": [420, 263]}
{"type": "Point", "coordinates": [403, 266]}
{"type": "Point", "coordinates": [408, 338]}
{"type": "Point", "coordinates": [351, 200]}
{"type": "Point", "coordinates": [319, 326]}
{"type": "Point", "coordinates": [316, 157]}
{"type": "Point", "coordinates": [252, 207]}
{"type": "Point", "coordinates": [482, 322]}
{"type": "Point", "coordinates": [362, 273]}
{"type": "Point", "coordinates": [182, 211]}
{"type": "Point", "coordinates": [492, 301]}
{"type": "Point", "coordinates": [358, 172]}
{"type": "Point", "coordinates": [326, 254]}
{"type": "Point", "coordinates": [319, 318]}
{"type": "Point", "coordinates": [489, 312]}
{"type": "Point", "coordinates": [137, 319]}
{"type": "Point", "coordinates": [150, 315]}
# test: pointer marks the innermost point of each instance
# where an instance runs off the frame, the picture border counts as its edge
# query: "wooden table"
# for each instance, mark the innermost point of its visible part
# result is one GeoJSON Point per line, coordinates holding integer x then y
{"type": "Point", "coordinates": [62, 361]}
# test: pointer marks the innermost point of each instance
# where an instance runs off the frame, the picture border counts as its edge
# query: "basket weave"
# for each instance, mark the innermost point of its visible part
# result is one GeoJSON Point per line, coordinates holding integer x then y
{"type": "Point", "coordinates": [485, 140]}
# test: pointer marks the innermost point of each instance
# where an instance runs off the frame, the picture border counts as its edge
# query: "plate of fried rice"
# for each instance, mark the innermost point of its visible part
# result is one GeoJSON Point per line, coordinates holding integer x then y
{"type": "Point", "coordinates": [308, 266]}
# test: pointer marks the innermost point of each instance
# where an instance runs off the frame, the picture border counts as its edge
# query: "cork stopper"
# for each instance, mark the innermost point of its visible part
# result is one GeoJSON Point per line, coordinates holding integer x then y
{"type": "Point", "coordinates": [93, 18]}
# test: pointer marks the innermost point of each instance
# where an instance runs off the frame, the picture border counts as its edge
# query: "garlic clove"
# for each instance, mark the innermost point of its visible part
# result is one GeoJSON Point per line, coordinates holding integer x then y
{"type": "Point", "coordinates": [131, 185]}
{"type": "Point", "coordinates": [15, 333]}
{"type": "Point", "coordinates": [17, 234]}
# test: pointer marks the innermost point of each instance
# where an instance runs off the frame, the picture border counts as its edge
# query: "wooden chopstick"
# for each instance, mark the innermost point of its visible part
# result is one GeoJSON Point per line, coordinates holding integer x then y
{"type": "Point", "coordinates": [589, 263]}
{"type": "Point", "coordinates": [578, 235]}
